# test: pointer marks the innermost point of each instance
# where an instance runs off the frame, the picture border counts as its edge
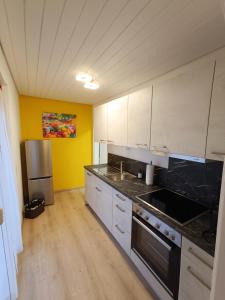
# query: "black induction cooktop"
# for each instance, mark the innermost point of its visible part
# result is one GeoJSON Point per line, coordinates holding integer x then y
{"type": "Point", "coordinates": [177, 207]}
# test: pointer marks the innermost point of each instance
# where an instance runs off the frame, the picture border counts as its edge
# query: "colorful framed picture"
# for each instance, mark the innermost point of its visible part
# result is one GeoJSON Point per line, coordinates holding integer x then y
{"type": "Point", "coordinates": [55, 125]}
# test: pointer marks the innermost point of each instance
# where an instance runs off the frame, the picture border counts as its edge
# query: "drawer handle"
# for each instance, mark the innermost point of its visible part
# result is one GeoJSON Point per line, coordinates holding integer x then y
{"type": "Point", "coordinates": [109, 141]}
{"type": "Point", "coordinates": [98, 189]}
{"type": "Point", "coordinates": [145, 145]}
{"type": "Point", "coordinates": [120, 208]}
{"type": "Point", "coordinates": [161, 149]}
{"type": "Point", "coordinates": [119, 229]}
{"type": "Point", "coordinates": [121, 198]}
{"type": "Point", "coordinates": [189, 269]}
{"type": "Point", "coordinates": [218, 153]}
{"type": "Point", "coordinates": [190, 250]}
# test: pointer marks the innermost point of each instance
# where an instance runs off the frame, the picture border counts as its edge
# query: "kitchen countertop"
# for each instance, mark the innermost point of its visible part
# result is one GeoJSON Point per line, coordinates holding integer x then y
{"type": "Point", "coordinates": [131, 187]}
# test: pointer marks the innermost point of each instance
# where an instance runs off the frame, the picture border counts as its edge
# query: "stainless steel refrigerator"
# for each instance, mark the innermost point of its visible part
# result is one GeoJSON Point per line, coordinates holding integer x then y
{"type": "Point", "coordinates": [39, 170]}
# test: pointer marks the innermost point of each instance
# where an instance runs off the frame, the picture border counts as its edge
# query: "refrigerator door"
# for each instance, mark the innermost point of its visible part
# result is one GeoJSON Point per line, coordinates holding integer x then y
{"type": "Point", "coordinates": [41, 188]}
{"type": "Point", "coordinates": [38, 158]}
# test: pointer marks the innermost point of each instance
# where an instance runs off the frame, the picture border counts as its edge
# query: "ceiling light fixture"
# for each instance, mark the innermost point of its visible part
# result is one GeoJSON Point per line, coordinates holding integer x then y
{"type": "Point", "coordinates": [91, 85]}
{"type": "Point", "coordinates": [84, 77]}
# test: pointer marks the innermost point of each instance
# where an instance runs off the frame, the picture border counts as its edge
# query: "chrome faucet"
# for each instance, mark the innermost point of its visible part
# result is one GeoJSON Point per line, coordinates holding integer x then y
{"type": "Point", "coordinates": [121, 168]}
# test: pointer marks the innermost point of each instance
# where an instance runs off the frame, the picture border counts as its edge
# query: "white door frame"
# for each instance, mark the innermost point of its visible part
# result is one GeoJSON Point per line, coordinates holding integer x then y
{"type": "Point", "coordinates": [7, 235]}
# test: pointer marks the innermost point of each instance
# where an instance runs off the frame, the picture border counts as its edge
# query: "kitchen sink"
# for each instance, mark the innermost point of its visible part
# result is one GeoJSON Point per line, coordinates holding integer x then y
{"type": "Point", "coordinates": [113, 173]}
{"type": "Point", "coordinates": [119, 177]}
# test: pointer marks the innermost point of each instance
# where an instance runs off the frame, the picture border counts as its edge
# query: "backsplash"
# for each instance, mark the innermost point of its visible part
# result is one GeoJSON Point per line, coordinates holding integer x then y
{"type": "Point", "coordinates": [130, 165]}
{"type": "Point", "coordinates": [200, 182]}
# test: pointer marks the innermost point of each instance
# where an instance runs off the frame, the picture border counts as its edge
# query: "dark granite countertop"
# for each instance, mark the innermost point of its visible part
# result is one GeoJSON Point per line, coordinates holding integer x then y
{"type": "Point", "coordinates": [131, 187]}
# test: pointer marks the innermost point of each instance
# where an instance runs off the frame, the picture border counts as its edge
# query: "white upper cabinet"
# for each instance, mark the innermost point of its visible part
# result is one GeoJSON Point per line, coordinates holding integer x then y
{"type": "Point", "coordinates": [216, 132]}
{"type": "Point", "coordinates": [117, 121]}
{"type": "Point", "coordinates": [139, 118]}
{"type": "Point", "coordinates": [180, 110]}
{"type": "Point", "coordinates": [100, 123]}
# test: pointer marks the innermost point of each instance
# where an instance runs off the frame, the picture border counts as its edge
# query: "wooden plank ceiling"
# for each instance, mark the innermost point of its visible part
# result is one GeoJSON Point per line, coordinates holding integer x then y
{"type": "Point", "coordinates": [122, 43]}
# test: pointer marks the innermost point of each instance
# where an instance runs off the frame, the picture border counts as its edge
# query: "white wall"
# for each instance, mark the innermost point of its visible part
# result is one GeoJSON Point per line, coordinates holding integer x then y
{"type": "Point", "coordinates": [13, 122]}
{"type": "Point", "coordinates": [139, 154]}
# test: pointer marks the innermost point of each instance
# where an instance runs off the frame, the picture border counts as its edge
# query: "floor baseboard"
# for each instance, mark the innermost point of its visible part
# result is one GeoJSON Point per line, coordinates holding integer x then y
{"type": "Point", "coordinates": [81, 189]}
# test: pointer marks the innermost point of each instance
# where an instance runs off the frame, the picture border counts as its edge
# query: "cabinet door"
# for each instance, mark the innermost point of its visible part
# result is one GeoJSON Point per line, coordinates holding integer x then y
{"type": "Point", "coordinates": [180, 110]}
{"type": "Point", "coordinates": [104, 202]}
{"type": "Point", "coordinates": [100, 123]}
{"type": "Point", "coordinates": [90, 189]}
{"type": "Point", "coordinates": [117, 121]}
{"type": "Point", "coordinates": [195, 273]}
{"type": "Point", "coordinates": [216, 131]}
{"type": "Point", "coordinates": [139, 118]}
{"type": "Point", "coordinates": [192, 281]}
{"type": "Point", "coordinates": [106, 209]}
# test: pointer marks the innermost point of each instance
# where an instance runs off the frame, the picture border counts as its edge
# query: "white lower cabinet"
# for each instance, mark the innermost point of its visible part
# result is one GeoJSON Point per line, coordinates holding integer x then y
{"type": "Point", "coordinates": [115, 211]}
{"type": "Point", "coordinates": [112, 208]}
{"type": "Point", "coordinates": [195, 273]}
{"type": "Point", "coordinates": [103, 198]}
{"type": "Point", "coordinates": [90, 189]}
{"type": "Point", "coordinates": [98, 195]}
{"type": "Point", "coordinates": [122, 217]}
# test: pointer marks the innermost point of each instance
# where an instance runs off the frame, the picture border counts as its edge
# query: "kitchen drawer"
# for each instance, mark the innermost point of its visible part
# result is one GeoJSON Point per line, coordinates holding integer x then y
{"type": "Point", "coordinates": [122, 215]}
{"type": "Point", "coordinates": [89, 179]}
{"type": "Point", "coordinates": [195, 280]}
{"type": "Point", "coordinates": [197, 255]}
{"type": "Point", "coordinates": [122, 236]}
{"type": "Point", "coordinates": [100, 184]}
{"type": "Point", "coordinates": [122, 199]}
{"type": "Point", "coordinates": [89, 174]}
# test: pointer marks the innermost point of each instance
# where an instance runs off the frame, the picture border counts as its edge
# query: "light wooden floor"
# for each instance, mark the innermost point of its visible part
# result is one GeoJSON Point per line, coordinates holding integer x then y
{"type": "Point", "coordinates": [68, 255]}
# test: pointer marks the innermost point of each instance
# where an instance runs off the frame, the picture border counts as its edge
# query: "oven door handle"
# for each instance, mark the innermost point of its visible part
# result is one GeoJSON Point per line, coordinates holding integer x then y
{"type": "Point", "coordinates": [152, 233]}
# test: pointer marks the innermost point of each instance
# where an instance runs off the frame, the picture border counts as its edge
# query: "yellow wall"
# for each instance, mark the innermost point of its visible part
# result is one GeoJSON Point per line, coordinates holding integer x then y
{"type": "Point", "coordinates": [69, 155]}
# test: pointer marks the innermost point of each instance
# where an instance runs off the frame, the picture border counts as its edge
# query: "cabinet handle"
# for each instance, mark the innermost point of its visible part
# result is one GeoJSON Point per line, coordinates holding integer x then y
{"type": "Point", "coordinates": [218, 153]}
{"type": "Point", "coordinates": [161, 148]}
{"type": "Point", "coordinates": [121, 198]}
{"type": "Point", "coordinates": [110, 141]}
{"type": "Point", "coordinates": [189, 269]}
{"type": "Point", "coordinates": [144, 145]}
{"type": "Point", "coordinates": [98, 189]}
{"type": "Point", "coordinates": [121, 209]}
{"type": "Point", "coordinates": [120, 230]}
{"type": "Point", "coordinates": [190, 250]}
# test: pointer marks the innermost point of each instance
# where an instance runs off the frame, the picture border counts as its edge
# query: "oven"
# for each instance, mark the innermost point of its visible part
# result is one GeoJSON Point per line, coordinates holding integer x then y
{"type": "Point", "coordinates": [158, 248]}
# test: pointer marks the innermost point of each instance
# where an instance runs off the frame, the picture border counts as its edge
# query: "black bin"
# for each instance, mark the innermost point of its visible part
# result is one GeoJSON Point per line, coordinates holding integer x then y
{"type": "Point", "coordinates": [34, 208]}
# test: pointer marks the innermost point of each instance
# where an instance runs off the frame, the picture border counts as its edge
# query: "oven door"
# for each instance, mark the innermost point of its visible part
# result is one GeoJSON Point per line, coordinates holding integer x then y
{"type": "Point", "coordinates": [160, 255]}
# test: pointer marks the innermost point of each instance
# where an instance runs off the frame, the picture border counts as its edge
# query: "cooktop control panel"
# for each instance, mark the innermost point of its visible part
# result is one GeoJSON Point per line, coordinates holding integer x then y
{"type": "Point", "coordinates": [159, 225]}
